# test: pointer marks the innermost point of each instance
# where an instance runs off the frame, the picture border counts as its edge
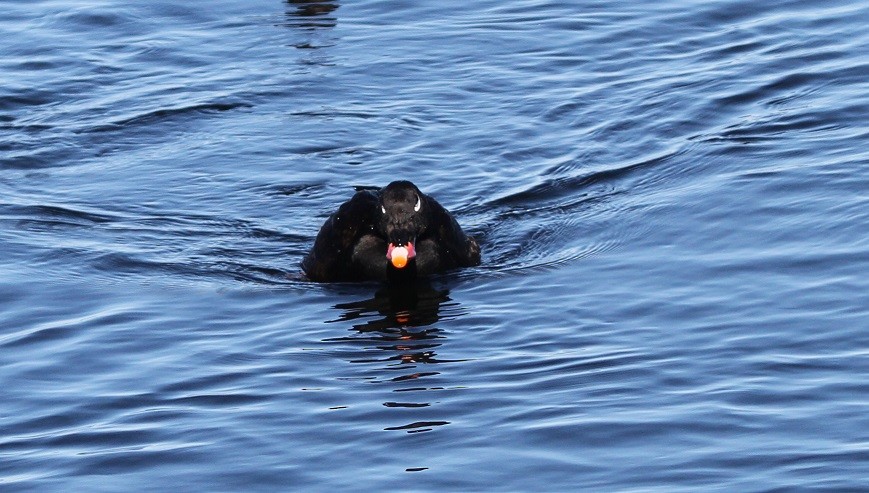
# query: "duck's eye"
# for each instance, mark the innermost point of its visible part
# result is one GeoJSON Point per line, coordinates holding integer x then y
{"type": "Point", "coordinates": [383, 209]}
{"type": "Point", "coordinates": [418, 205]}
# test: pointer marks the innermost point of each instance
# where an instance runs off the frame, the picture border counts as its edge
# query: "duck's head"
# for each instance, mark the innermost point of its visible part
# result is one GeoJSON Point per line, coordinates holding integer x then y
{"type": "Point", "coordinates": [402, 219]}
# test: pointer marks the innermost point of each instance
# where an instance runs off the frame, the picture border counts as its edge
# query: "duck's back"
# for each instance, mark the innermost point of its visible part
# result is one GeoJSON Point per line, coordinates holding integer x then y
{"type": "Point", "coordinates": [331, 258]}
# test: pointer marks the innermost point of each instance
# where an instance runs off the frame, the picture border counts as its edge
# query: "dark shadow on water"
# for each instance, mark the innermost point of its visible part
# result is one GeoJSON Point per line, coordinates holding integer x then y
{"type": "Point", "coordinates": [398, 320]}
{"type": "Point", "coordinates": [402, 307]}
{"type": "Point", "coordinates": [311, 14]}
{"type": "Point", "coordinates": [393, 335]}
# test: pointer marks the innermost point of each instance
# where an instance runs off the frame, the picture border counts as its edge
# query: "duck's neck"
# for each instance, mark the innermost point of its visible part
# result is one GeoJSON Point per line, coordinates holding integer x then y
{"type": "Point", "coordinates": [405, 275]}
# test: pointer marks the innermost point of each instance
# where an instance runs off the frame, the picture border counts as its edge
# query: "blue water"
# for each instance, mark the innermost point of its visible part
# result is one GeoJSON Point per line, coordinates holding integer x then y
{"type": "Point", "coordinates": [672, 199]}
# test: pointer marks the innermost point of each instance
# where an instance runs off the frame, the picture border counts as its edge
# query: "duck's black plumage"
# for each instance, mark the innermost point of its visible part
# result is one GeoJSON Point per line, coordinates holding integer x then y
{"type": "Point", "coordinates": [354, 242]}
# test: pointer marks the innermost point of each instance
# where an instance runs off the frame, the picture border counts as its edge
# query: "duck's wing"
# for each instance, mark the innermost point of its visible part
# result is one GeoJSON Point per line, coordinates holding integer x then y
{"type": "Point", "coordinates": [330, 260]}
{"type": "Point", "coordinates": [461, 249]}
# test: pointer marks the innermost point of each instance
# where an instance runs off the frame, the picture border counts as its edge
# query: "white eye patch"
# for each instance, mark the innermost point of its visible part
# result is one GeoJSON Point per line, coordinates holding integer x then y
{"type": "Point", "coordinates": [383, 209]}
{"type": "Point", "coordinates": [418, 205]}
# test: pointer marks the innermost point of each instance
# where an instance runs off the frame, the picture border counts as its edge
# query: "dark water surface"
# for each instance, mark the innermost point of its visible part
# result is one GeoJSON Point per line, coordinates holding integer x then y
{"type": "Point", "coordinates": [672, 199]}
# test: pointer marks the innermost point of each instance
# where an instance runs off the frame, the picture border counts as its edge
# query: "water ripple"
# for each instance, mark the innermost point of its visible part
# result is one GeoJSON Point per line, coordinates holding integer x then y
{"type": "Point", "coordinates": [670, 197]}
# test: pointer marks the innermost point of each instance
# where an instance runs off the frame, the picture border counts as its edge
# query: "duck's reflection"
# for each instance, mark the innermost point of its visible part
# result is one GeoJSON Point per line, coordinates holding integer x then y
{"type": "Point", "coordinates": [399, 320]}
{"type": "Point", "coordinates": [396, 331]}
{"type": "Point", "coordinates": [311, 14]}
{"type": "Point", "coordinates": [401, 308]}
